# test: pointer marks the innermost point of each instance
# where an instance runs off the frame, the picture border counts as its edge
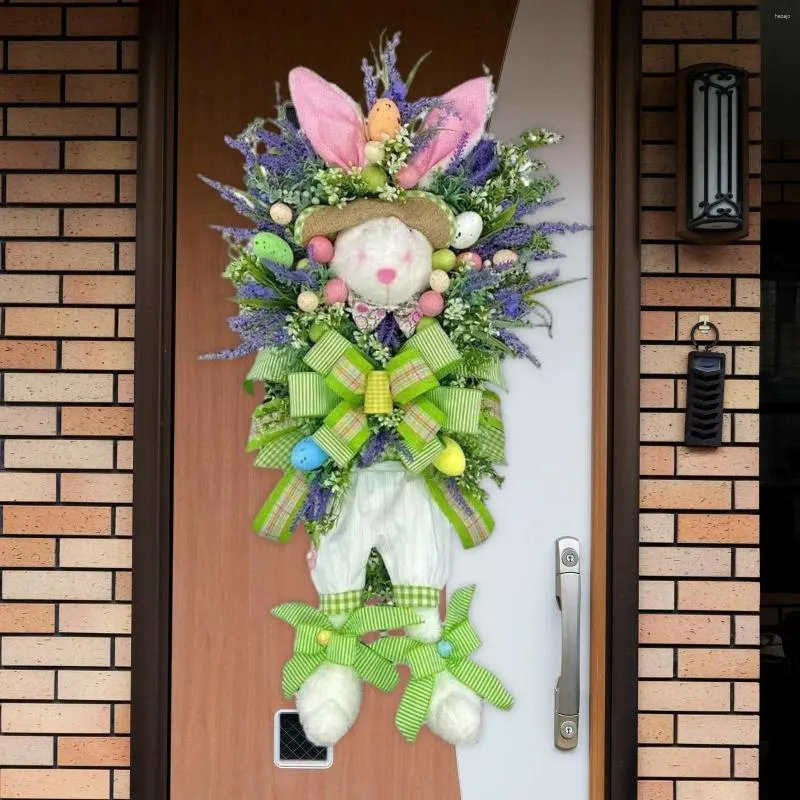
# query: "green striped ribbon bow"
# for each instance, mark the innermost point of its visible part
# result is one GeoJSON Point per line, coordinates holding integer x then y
{"type": "Point", "coordinates": [317, 641]}
{"type": "Point", "coordinates": [450, 654]}
{"type": "Point", "coordinates": [335, 390]}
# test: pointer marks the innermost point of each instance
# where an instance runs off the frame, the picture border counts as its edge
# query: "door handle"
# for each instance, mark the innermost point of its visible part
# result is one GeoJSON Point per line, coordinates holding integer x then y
{"type": "Point", "coordinates": [568, 597]}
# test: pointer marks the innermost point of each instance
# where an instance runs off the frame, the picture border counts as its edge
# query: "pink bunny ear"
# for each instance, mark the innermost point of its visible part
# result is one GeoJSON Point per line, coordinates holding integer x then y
{"type": "Point", "coordinates": [329, 117]}
{"type": "Point", "coordinates": [471, 102]}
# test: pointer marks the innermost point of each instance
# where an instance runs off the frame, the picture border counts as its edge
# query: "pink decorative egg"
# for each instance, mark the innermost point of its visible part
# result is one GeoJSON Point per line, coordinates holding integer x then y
{"type": "Point", "coordinates": [431, 304]}
{"type": "Point", "coordinates": [320, 248]}
{"type": "Point", "coordinates": [335, 291]}
{"type": "Point", "coordinates": [473, 259]}
{"type": "Point", "coordinates": [407, 177]}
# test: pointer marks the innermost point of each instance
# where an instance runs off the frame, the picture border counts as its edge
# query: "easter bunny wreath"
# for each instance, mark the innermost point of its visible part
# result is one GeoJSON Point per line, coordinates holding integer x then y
{"type": "Point", "coordinates": [379, 289]}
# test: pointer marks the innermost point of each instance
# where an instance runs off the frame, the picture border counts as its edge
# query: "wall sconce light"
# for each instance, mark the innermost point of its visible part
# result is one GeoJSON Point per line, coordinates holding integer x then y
{"type": "Point", "coordinates": [712, 154]}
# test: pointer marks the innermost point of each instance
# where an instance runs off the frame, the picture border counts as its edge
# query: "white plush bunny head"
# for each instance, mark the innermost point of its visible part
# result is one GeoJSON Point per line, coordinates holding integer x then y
{"type": "Point", "coordinates": [383, 261]}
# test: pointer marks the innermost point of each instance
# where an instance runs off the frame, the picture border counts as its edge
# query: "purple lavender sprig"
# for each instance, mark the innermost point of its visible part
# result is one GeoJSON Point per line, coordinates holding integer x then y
{"type": "Point", "coordinates": [317, 502]}
{"type": "Point", "coordinates": [376, 446]}
{"type": "Point", "coordinates": [291, 277]}
{"type": "Point", "coordinates": [481, 163]}
{"type": "Point", "coordinates": [558, 228]}
{"type": "Point", "coordinates": [513, 237]}
{"type": "Point", "coordinates": [456, 494]}
{"type": "Point", "coordinates": [388, 333]}
{"type": "Point", "coordinates": [242, 203]}
{"type": "Point", "coordinates": [370, 83]}
{"type": "Point", "coordinates": [255, 291]}
{"type": "Point", "coordinates": [257, 328]}
{"type": "Point", "coordinates": [517, 346]}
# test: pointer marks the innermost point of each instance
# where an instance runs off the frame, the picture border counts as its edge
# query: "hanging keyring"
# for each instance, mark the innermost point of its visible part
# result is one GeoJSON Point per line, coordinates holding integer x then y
{"type": "Point", "coordinates": [704, 326]}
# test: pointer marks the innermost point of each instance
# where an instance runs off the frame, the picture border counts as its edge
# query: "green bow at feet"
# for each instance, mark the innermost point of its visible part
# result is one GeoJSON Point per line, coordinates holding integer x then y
{"type": "Point", "coordinates": [450, 654]}
{"type": "Point", "coordinates": [318, 641]}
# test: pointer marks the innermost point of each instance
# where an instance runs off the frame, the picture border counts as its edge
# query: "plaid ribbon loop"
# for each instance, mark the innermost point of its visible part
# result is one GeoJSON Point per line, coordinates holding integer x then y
{"type": "Point", "coordinates": [411, 383]}
{"type": "Point", "coordinates": [318, 641]}
{"type": "Point", "coordinates": [450, 654]}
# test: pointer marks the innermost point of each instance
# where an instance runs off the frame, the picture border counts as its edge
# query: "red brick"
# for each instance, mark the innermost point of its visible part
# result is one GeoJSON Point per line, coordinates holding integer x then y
{"type": "Point", "coordinates": [686, 25]}
{"type": "Point", "coordinates": [718, 528]}
{"type": "Point", "coordinates": [718, 595]}
{"type": "Point", "coordinates": [102, 21]}
{"type": "Point", "coordinates": [679, 494]}
{"type": "Point", "coordinates": [29, 88]}
{"type": "Point", "coordinates": [728, 663]}
{"type": "Point", "coordinates": [28, 155]}
{"type": "Point", "coordinates": [101, 155]}
{"type": "Point", "coordinates": [658, 158]}
{"type": "Point", "coordinates": [733, 325]}
{"type": "Point", "coordinates": [16, 221]}
{"type": "Point", "coordinates": [689, 762]}
{"type": "Point", "coordinates": [57, 189]}
{"type": "Point", "coordinates": [99, 222]}
{"type": "Point", "coordinates": [684, 696]}
{"type": "Point", "coordinates": [720, 259]}
{"type": "Point", "coordinates": [62, 121]}
{"type": "Point", "coordinates": [746, 56]}
{"type": "Point", "coordinates": [700, 292]}
{"type": "Point", "coordinates": [658, 58]}
{"type": "Point", "coordinates": [60, 256]}
{"type": "Point", "coordinates": [62, 55]}
{"type": "Point", "coordinates": [655, 790]}
{"type": "Point", "coordinates": [658, 92]}
{"type": "Point", "coordinates": [27, 354]}
{"type": "Point", "coordinates": [684, 629]}
{"type": "Point", "coordinates": [93, 751]}
{"type": "Point", "coordinates": [101, 88]}
{"type": "Point", "coordinates": [658, 325]}
{"type": "Point", "coordinates": [30, 21]}
{"type": "Point", "coordinates": [57, 520]}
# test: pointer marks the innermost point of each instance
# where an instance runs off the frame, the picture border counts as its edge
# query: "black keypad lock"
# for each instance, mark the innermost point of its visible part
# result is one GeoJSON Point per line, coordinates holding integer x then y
{"type": "Point", "coordinates": [705, 394]}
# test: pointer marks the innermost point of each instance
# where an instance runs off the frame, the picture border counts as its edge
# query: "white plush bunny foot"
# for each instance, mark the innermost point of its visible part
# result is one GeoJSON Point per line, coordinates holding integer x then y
{"type": "Point", "coordinates": [455, 712]}
{"type": "Point", "coordinates": [328, 703]}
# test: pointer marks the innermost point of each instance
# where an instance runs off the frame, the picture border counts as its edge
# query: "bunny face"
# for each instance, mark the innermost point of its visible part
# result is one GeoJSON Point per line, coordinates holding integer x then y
{"type": "Point", "coordinates": [383, 261]}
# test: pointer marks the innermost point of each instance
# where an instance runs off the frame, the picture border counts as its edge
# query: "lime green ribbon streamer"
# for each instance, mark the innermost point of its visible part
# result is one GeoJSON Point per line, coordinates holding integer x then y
{"type": "Point", "coordinates": [465, 511]}
{"type": "Point", "coordinates": [318, 641]}
{"type": "Point", "coordinates": [459, 640]}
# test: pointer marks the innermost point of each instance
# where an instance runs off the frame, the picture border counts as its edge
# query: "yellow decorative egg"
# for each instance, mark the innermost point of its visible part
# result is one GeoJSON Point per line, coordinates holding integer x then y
{"type": "Point", "coordinates": [383, 120]}
{"type": "Point", "coordinates": [451, 461]}
{"type": "Point", "coordinates": [323, 637]}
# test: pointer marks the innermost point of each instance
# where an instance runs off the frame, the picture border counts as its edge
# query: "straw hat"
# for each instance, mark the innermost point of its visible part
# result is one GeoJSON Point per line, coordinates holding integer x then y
{"type": "Point", "coordinates": [427, 213]}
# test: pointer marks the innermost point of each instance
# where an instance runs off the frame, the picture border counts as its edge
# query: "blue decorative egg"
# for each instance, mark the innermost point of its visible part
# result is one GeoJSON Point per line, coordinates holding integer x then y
{"type": "Point", "coordinates": [444, 648]}
{"type": "Point", "coordinates": [307, 455]}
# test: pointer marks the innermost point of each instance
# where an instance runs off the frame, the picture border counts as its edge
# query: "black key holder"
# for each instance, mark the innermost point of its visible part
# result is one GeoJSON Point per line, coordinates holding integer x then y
{"type": "Point", "coordinates": [705, 388]}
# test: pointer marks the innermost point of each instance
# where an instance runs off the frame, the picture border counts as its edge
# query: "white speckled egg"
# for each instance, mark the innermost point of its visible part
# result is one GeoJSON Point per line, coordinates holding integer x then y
{"type": "Point", "coordinates": [280, 213]}
{"type": "Point", "coordinates": [439, 281]}
{"type": "Point", "coordinates": [505, 257]}
{"type": "Point", "coordinates": [468, 229]}
{"type": "Point", "coordinates": [307, 301]}
{"type": "Point", "coordinates": [374, 152]}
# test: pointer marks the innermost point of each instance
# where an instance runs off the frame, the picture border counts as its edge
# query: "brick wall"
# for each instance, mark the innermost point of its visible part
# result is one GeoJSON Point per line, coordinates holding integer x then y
{"type": "Point", "coordinates": [68, 159]}
{"type": "Point", "coordinates": [699, 593]}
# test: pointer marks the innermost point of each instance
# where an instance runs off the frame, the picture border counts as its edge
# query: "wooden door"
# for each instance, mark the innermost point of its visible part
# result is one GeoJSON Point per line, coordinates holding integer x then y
{"type": "Point", "coordinates": [227, 649]}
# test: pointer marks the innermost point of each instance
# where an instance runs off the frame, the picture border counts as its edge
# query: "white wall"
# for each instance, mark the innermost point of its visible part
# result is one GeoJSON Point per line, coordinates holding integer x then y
{"type": "Point", "coordinates": [547, 80]}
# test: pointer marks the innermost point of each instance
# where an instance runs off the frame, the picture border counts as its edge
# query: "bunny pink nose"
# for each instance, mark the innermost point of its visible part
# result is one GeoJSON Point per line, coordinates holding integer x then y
{"type": "Point", "coordinates": [387, 275]}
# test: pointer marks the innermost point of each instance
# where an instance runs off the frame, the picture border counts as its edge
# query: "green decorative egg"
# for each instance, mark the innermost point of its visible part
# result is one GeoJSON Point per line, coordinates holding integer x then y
{"type": "Point", "coordinates": [443, 259]}
{"type": "Point", "coordinates": [375, 177]}
{"type": "Point", "coordinates": [272, 248]}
